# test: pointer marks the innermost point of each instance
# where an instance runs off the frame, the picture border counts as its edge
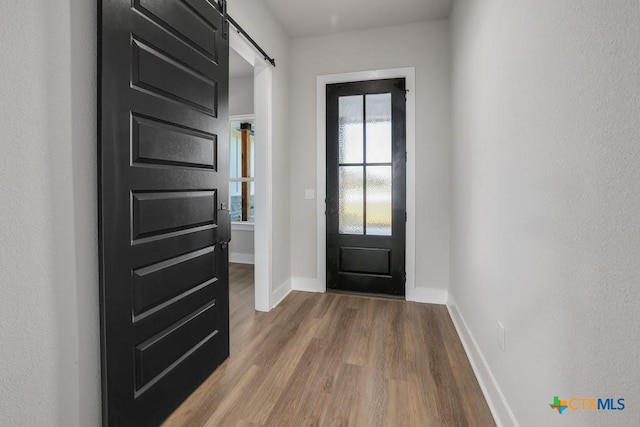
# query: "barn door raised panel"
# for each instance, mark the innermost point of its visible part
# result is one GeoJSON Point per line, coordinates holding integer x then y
{"type": "Point", "coordinates": [163, 88]}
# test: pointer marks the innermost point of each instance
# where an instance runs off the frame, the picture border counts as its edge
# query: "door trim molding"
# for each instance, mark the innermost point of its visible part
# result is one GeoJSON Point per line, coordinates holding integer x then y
{"type": "Point", "coordinates": [265, 296]}
{"type": "Point", "coordinates": [409, 74]}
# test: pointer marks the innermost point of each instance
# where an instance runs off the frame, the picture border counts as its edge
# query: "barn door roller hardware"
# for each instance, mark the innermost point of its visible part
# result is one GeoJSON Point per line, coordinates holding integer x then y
{"type": "Point", "coordinates": [246, 35]}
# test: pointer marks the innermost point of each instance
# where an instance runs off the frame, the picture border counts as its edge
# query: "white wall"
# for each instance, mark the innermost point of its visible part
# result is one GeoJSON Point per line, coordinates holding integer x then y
{"type": "Point", "coordinates": [242, 247]}
{"type": "Point", "coordinates": [241, 95]}
{"type": "Point", "coordinates": [49, 345]}
{"type": "Point", "coordinates": [257, 20]}
{"type": "Point", "coordinates": [424, 46]}
{"type": "Point", "coordinates": [546, 201]}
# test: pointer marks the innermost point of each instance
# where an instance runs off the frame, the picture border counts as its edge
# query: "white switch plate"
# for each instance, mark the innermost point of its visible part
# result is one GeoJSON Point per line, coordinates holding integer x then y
{"type": "Point", "coordinates": [501, 336]}
{"type": "Point", "coordinates": [309, 194]}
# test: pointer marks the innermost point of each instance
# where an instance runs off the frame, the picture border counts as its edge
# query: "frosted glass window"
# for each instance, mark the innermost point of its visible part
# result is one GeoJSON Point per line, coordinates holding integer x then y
{"type": "Point", "coordinates": [351, 200]}
{"type": "Point", "coordinates": [351, 129]}
{"type": "Point", "coordinates": [379, 128]}
{"type": "Point", "coordinates": [379, 200]}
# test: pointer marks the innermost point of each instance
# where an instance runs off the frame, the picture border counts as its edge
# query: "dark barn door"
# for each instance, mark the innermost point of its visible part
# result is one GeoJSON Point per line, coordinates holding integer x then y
{"type": "Point", "coordinates": [163, 177]}
{"type": "Point", "coordinates": [366, 186]}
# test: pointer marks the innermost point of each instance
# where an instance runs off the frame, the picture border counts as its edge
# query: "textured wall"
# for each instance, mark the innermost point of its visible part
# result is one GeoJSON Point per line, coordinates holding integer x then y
{"type": "Point", "coordinates": [546, 199]}
{"type": "Point", "coordinates": [424, 46]}
{"type": "Point", "coordinates": [49, 347]}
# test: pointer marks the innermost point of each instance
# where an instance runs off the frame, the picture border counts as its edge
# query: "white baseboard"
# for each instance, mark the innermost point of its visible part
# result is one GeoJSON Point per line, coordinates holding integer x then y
{"type": "Point", "coordinates": [307, 284]}
{"type": "Point", "coordinates": [422, 295]}
{"type": "Point", "coordinates": [240, 258]}
{"type": "Point", "coordinates": [281, 293]}
{"type": "Point", "coordinates": [498, 405]}
{"type": "Point", "coordinates": [428, 296]}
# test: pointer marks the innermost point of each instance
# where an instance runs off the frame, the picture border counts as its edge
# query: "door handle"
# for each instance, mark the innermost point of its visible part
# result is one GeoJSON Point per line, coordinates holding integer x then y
{"type": "Point", "coordinates": [223, 230]}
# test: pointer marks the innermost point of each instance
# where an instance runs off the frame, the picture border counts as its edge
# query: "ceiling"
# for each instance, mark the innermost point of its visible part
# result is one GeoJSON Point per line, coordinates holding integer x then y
{"type": "Point", "coordinates": [306, 18]}
{"type": "Point", "coordinates": [238, 67]}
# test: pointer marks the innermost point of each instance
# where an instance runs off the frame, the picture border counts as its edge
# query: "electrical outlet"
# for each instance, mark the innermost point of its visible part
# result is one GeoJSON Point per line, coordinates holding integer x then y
{"type": "Point", "coordinates": [500, 336]}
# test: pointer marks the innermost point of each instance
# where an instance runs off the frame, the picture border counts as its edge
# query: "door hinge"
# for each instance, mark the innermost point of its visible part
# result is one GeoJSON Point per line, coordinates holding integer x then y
{"type": "Point", "coordinates": [406, 216]}
{"type": "Point", "coordinates": [225, 21]}
{"type": "Point", "coordinates": [406, 156]}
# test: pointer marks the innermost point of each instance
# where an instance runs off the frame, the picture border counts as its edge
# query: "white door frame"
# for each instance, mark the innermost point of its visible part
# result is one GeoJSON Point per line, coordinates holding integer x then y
{"type": "Point", "coordinates": [409, 74]}
{"type": "Point", "coordinates": [262, 104]}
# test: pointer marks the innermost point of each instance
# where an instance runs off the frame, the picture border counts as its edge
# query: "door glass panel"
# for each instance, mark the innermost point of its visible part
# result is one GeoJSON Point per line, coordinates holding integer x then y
{"type": "Point", "coordinates": [379, 200]}
{"type": "Point", "coordinates": [351, 200]}
{"type": "Point", "coordinates": [379, 128]}
{"type": "Point", "coordinates": [351, 129]}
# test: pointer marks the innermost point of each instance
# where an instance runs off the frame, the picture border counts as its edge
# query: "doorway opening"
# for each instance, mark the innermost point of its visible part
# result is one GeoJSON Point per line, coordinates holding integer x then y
{"type": "Point", "coordinates": [261, 78]}
{"type": "Point", "coordinates": [242, 159]}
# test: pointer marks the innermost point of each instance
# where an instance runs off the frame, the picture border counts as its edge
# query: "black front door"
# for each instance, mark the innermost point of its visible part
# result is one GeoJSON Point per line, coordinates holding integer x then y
{"type": "Point", "coordinates": [163, 177]}
{"type": "Point", "coordinates": [366, 186]}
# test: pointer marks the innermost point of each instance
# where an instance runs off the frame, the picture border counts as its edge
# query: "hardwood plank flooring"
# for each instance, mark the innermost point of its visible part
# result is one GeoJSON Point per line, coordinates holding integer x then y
{"type": "Point", "coordinates": [337, 360]}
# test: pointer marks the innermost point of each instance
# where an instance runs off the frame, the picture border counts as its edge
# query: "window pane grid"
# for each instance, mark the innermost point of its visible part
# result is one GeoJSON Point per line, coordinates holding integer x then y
{"type": "Point", "coordinates": [365, 165]}
{"type": "Point", "coordinates": [242, 171]}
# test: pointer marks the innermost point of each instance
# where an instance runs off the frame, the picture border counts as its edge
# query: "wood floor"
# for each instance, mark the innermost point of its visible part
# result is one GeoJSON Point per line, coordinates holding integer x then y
{"type": "Point", "coordinates": [337, 360]}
